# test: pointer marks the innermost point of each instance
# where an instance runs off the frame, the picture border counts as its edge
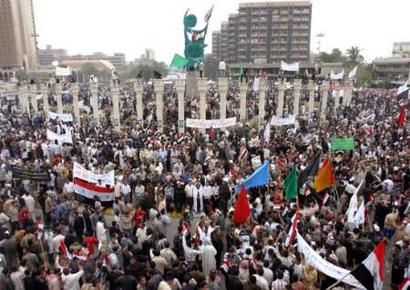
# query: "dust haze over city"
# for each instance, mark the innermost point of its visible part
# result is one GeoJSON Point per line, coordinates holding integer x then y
{"type": "Point", "coordinates": [204, 145]}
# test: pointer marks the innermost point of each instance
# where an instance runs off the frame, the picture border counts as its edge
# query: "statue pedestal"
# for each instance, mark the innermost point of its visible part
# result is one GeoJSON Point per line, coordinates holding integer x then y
{"type": "Point", "coordinates": [191, 84]}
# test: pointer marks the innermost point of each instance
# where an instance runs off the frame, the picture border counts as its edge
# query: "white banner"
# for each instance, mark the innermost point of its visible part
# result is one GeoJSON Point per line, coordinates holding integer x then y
{"type": "Point", "coordinates": [91, 177]}
{"type": "Point", "coordinates": [316, 261]}
{"type": "Point", "coordinates": [289, 66]}
{"type": "Point", "coordinates": [352, 73]}
{"type": "Point", "coordinates": [338, 76]}
{"type": "Point", "coordinates": [62, 71]}
{"type": "Point", "coordinates": [206, 124]}
{"type": "Point", "coordinates": [277, 121]}
{"type": "Point", "coordinates": [60, 138]}
{"type": "Point", "coordinates": [62, 117]}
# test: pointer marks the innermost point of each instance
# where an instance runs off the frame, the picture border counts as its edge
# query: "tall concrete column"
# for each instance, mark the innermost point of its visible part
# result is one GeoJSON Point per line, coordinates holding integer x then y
{"type": "Point", "coordinates": [202, 89]}
{"type": "Point", "coordinates": [94, 102]}
{"type": "Point", "coordinates": [44, 92]}
{"type": "Point", "coordinates": [325, 93]}
{"type": "Point", "coordinates": [311, 104]}
{"type": "Point", "coordinates": [23, 98]}
{"type": "Point", "coordinates": [139, 90]}
{"type": "Point", "coordinates": [223, 90]}
{"type": "Point", "coordinates": [180, 88]}
{"type": "Point", "coordinates": [115, 106]}
{"type": "Point", "coordinates": [76, 108]}
{"type": "Point", "coordinates": [281, 96]}
{"type": "Point", "coordinates": [59, 98]}
{"type": "Point", "coordinates": [242, 102]}
{"type": "Point", "coordinates": [33, 95]}
{"type": "Point", "coordinates": [297, 86]}
{"type": "Point", "coordinates": [262, 101]}
{"type": "Point", "coordinates": [159, 95]}
{"type": "Point", "coordinates": [348, 93]}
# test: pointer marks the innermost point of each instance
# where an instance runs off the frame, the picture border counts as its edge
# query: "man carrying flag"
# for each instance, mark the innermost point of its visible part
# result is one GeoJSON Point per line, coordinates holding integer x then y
{"type": "Point", "coordinates": [242, 210]}
{"type": "Point", "coordinates": [401, 121]}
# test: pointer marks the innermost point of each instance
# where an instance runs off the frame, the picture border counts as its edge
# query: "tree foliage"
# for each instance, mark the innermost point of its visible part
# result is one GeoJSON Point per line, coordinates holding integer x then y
{"type": "Point", "coordinates": [145, 70]}
{"type": "Point", "coordinates": [354, 56]}
{"type": "Point", "coordinates": [335, 56]}
{"type": "Point", "coordinates": [90, 69]}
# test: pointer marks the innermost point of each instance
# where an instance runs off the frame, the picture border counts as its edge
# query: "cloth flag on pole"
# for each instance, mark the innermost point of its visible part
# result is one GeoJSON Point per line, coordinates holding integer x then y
{"type": "Point", "coordinates": [293, 229]}
{"type": "Point", "coordinates": [402, 89]}
{"type": "Point", "coordinates": [266, 133]}
{"type": "Point", "coordinates": [353, 205]}
{"type": "Point", "coordinates": [352, 73]}
{"type": "Point", "coordinates": [310, 170]}
{"type": "Point", "coordinates": [345, 144]}
{"type": "Point", "coordinates": [243, 153]}
{"type": "Point", "coordinates": [179, 61]}
{"type": "Point", "coordinates": [370, 272]}
{"type": "Point", "coordinates": [289, 66]}
{"type": "Point", "coordinates": [242, 210]}
{"type": "Point", "coordinates": [291, 184]}
{"type": "Point", "coordinates": [401, 121]}
{"type": "Point", "coordinates": [259, 177]}
{"type": "Point", "coordinates": [208, 14]}
{"type": "Point", "coordinates": [325, 178]}
{"type": "Point", "coordinates": [359, 217]}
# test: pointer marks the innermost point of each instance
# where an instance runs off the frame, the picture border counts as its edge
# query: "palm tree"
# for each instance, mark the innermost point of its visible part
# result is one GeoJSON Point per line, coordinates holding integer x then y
{"type": "Point", "coordinates": [354, 56]}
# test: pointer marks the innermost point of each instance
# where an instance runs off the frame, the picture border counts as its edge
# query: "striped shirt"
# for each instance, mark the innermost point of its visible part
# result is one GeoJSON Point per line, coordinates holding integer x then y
{"type": "Point", "coordinates": [279, 284]}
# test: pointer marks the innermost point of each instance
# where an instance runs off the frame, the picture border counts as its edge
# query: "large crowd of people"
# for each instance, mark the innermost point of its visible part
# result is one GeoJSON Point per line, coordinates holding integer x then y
{"type": "Point", "coordinates": [170, 225]}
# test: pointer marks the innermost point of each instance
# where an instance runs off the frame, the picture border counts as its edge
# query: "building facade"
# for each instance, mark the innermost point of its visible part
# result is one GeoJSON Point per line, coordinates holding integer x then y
{"type": "Point", "coordinates": [46, 56]}
{"type": "Point", "coordinates": [117, 59]}
{"type": "Point", "coordinates": [401, 49]}
{"type": "Point", "coordinates": [18, 47]}
{"type": "Point", "coordinates": [394, 69]}
{"type": "Point", "coordinates": [265, 32]}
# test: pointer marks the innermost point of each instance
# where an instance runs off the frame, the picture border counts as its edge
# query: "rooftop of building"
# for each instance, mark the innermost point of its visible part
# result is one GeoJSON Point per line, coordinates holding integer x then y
{"type": "Point", "coordinates": [392, 60]}
{"type": "Point", "coordinates": [274, 4]}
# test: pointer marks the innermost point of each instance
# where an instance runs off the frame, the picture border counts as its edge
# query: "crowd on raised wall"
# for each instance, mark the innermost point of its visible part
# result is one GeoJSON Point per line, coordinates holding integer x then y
{"type": "Point", "coordinates": [170, 225]}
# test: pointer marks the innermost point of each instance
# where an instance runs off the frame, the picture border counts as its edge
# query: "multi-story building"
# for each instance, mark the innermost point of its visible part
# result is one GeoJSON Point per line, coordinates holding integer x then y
{"type": "Point", "coordinates": [45, 57]}
{"type": "Point", "coordinates": [394, 69]}
{"type": "Point", "coordinates": [18, 47]}
{"type": "Point", "coordinates": [117, 59]}
{"type": "Point", "coordinates": [216, 44]}
{"type": "Point", "coordinates": [401, 49]}
{"type": "Point", "coordinates": [266, 32]}
{"type": "Point", "coordinates": [150, 53]}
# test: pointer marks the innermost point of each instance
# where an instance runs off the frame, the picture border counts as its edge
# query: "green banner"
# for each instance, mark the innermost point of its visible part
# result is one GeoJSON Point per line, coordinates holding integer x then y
{"type": "Point", "coordinates": [342, 143]}
{"type": "Point", "coordinates": [179, 61]}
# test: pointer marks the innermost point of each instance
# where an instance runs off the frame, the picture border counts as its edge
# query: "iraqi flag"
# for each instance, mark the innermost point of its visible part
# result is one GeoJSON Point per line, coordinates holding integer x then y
{"type": "Point", "coordinates": [401, 121]}
{"type": "Point", "coordinates": [90, 190]}
{"type": "Point", "coordinates": [370, 273]}
{"type": "Point", "coordinates": [293, 228]}
{"type": "Point", "coordinates": [242, 209]}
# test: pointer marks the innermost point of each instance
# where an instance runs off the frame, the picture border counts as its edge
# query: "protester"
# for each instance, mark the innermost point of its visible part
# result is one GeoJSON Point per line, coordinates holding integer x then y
{"type": "Point", "coordinates": [170, 216]}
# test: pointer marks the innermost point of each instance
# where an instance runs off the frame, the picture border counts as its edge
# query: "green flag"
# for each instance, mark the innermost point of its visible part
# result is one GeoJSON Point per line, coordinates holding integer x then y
{"type": "Point", "coordinates": [178, 61]}
{"type": "Point", "coordinates": [291, 185]}
{"type": "Point", "coordinates": [342, 143]}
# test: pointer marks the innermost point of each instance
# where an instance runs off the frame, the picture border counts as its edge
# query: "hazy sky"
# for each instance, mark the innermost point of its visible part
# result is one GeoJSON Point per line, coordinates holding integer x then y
{"type": "Point", "coordinates": [130, 26]}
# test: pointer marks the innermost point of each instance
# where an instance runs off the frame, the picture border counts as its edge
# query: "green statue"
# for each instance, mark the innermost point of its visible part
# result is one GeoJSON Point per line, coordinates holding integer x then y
{"type": "Point", "coordinates": [194, 40]}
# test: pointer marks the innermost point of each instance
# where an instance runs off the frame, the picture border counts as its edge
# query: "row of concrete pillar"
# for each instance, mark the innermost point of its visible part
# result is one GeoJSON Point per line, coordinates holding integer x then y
{"type": "Point", "coordinates": [28, 93]}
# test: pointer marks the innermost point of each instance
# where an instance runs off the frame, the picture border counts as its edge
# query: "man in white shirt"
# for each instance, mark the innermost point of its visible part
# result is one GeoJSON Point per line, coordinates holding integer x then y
{"type": "Point", "coordinates": [30, 203]}
{"type": "Point", "coordinates": [261, 281]}
{"type": "Point", "coordinates": [71, 281]}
